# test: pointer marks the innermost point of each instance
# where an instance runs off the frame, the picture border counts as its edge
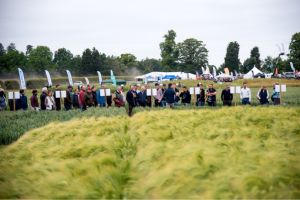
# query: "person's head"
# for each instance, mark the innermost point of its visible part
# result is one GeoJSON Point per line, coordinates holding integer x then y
{"type": "Point", "coordinates": [76, 91]}
{"type": "Point", "coordinates": [119, 88]}
{"type": "Point", "coordinates": [170, 85]}
{"type": "Point", "coordinates": [142, 88]}
{"type": "Point", "coordinates": [174, 85]}
{"type": "Point", "coordinates": [156, 85]}
{"type": "Point", "coordinates": [94, 89]}
{"type": "Point", "coordinates": [132, 87]}
{"type": "Point", "coordinates": [184, 88]}
{"type": "Point", "coordinates": [264, 87]}
{"type": "Point", "coordinates": [44, 89]}
{"type": "Point", "coordinates": [69, 88]}
{"type": "Point", "coordinates": [244, 85]}
{"type": "Point", "coordinates": [1, 92]}
{"type": "Point", "coordinates": [34, 92]}
{"type": "Point", "coordinates": [57, 86]}
{"type": "Point", "coordinates": [103, 86]}
{"type": "Point", "coordinates": [50, 93]}
{"type": "Point", "coordinates": [275, 85]}
{"type": "Point", "coordinates": [89, 90]}
{"type": "Point", "coordinates": [83, 87]}
{"type": "Point", "coordinates": [210, 85]}
{"type": "Point", "coordinates": [227, 87]}
{"type": "Point", "coordinates": [22, 91]}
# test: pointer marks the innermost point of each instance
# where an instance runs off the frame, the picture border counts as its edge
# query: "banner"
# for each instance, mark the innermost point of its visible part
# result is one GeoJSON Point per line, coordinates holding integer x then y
{"type": "Point", "coordinates": [100, 77]}
{"type": "Point", "coordinates": [22, 79]}
{"type": "Point", "coordinates": [48, 78]}
{"type": "Point", "coordinates": [70, 77]}
{"type": "Point", "coordinates": [87, 80]}
{"type": "Point", "coordinates": [112, 77]}
{"type": "Point", "coordinates": [202, 70]}
{"type": "Point", "coordinates": [215, 72]}
{"type": "Point", "coordinates": [292, 66]}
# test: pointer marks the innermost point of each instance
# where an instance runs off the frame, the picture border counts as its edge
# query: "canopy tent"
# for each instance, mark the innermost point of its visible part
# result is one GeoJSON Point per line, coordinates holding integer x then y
{"type": "Point", "coordinates": [254, 71]}
{"type": "Point", "coordinates": [155, 76]}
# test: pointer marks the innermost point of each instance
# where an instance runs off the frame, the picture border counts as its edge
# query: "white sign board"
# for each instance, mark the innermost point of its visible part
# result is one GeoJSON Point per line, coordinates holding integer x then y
{"type": "Point", "coordinates": [57, 94]}
{"type": "Point", "coordinates": [17, 95]}
{"type": "Point", "coordinates": [277, 88]}
{"type": "Point", "coordinates": [192, 90]}
{"type": "Point", "coordinates": [64, 94]}
{"type": "Point", "coordinates": [107, 92]}
{"type": "Point", "coordinates": [238, 89]}
{"type": "Point", "coordinates": [10, 95]}
{"type": "Point", "coordinates": [283, 88]}
{"type": "Point", "coordinates": [232, 89]}
{"type": "Point", "coordinates": [154, 92]}
{"type": "Point", "coordinates": [148, 92]}
{"type": "Point", "coordinates": [102, 94]}
{"type": "Point", "coordinates": [197, 90]}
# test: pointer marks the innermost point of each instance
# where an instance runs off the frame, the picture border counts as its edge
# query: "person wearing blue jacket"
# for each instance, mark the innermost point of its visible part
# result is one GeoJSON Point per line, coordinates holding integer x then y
{"type": "Point", "coordinates": [142, 97]}
{"type": "Point", "coordinates": [101, 100]}
{"type": "Point", "coordinates": [170, 96]}
{"type": "Point", "coordinates": [22, 102]}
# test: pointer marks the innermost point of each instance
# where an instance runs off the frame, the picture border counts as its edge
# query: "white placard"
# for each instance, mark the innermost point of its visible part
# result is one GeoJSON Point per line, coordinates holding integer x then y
{"type": "Point", "coordinates": [192, 90]}
{"type": "Point", "coordinates": [197, 90]}
{"type": "Point", "coordinates": [237, 89]}
{"type": "Point", "coordinates": [17, 95]}
{"type": "Point", "coordinates": [232, 89]}
{"type": "Point", "coordinates": [154, 91]}
{"type": "Point", "coordinates": [102, 92]}
{"type": "Point", "coordinates": [57, 94]}
{"type": "Point", "coordinates": [277, 88]}
{"type": "Point", "coordinates": [148, 92]}
{"type": "Point", "coordinates": [10, 95]}
{"type": "Point", "coordinates": [283, 88]}
{"type": "Point", "coordinates": [107, 92]}
{"type": "Point", "coordinates": [63, 94]}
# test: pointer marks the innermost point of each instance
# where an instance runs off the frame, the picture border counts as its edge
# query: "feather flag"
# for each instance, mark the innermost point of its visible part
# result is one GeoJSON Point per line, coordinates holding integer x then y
{"type": "Point", "coordinates": [70, 77]}
{"type": "Point", "coordinates": [100, 77]}
{"type": "Point", "coordinates": [112, 77]}
{"type": "Point", "coordinates": [292, 66]}
{"type": "Point", "coordinates": [87, 80]}
{"type": "Point", "coordinates": [48, 78]}
{"type": "Point", "coordinates": [22, 79]}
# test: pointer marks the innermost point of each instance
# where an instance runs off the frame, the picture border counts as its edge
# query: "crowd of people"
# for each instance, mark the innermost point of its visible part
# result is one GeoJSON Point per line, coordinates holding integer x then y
{"type": "Point", "coordinates": [89, 96]}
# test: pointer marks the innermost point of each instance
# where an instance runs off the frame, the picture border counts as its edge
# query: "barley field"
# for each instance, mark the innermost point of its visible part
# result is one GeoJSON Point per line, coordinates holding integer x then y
{"type": "Point", "coordinates": [238, 152]}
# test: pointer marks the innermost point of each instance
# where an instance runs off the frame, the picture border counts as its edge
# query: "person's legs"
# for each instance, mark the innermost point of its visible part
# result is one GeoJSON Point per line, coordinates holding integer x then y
{"type": "Point", "coordinates": [130, 108]}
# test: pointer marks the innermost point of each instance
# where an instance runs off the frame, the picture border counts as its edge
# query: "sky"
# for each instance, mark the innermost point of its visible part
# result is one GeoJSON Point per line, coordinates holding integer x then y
{"type": "Point", "coordinates": [138, 26]}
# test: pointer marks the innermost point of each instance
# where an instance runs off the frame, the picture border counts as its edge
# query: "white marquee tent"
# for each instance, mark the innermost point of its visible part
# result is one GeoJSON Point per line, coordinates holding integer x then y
{"type": "Point", "coordinates": [254, 71]}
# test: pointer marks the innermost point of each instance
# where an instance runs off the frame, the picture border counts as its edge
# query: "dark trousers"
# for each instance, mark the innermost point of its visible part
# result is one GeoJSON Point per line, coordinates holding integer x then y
{"type": "Point", "coordinates": [211, 103]}
{"type": "Point", "coordinates": [130, 108]}
{"type": "Point", "coordinates": [157, 104]}
{"type": "Point", "coordinates": [227, 102]}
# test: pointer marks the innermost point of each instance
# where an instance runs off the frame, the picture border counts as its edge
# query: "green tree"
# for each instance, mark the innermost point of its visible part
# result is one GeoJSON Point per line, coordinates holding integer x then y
{"type": "Point", "coordinates": [62, 59]}
{"type": "Point", "coordinates": [11, 47]}
{"type": "Point", "coordinates": [76, 63]}
{"type": "Point", "coordinates": [254, 60]}
{"type": "Point", "coordinates": [294, 47]}
{"type": "Point", "coordinates": [86, 61]}
{"type": "Point", "coordinates": [28, 49]}
{"type": "Point", "coordinates": [232, 61]}
{"type": "Point", "coordinates": [127, 59]}
{"type": "Point", "coordinates": [192, 55]}
{"type": "Point", "coordinates": [269, 64]}
{"type": "Point", "coordinates": [39, 59]}
{"type": "Point", "coordinates": [169, 51]}
{"type": "Point", "coordinates": [2, 50]}
{"type": "Point", "coordinates": [149, 64]}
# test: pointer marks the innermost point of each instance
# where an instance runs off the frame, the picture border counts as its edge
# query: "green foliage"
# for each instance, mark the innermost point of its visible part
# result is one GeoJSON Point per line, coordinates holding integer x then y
{"type": "Point", "coordinates": [192, 55]}
{"type": "Point", "coordinates": [240, 153]}
{"type": "Point", "coordinates": [39, 59]}
{"type": "Point", "coordinates": [169, 51]}
{"type": "Point", "coordinates": [254, 60]}
{"type": "Point", "coordinates": [11, 84]}
{"type": "Point", "coordinates": [62, 58]}
{"type": "Point", "coordinates": [232, 61]}
{"type": "Point", "coordinates": [294, 47]}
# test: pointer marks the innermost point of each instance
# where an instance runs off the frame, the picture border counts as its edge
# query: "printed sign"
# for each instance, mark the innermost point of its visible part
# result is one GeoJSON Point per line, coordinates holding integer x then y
{"type": "Point", "coordinates": [107, 92]}
{"type": "Point", "coordinates": [17, 95]}
{"type": "Point", "coordinates": [238, 89]}
{"type": "Point", "coordinates": [283, 88]}
{"type": "Point", "coordinates": [102, 92]}
{"type": "Point", "coordinates": [154, 92]}
{"type": "Point", "coordinates": [10, 95]}
{"type": "Point", "coordinates": [192, 90]}
{"type": "Point", "coordinates": [57, 94]}
{"type": "Point", "coordinates": [197, 90]}
{"type": "Point", "coordinates": [63, 94]}
{"type": "Point", "coordinates": [277, 88]}
{"type": "Point", "coordinates": [232, 89]}
{"type": "Point", "coordinates": [148, 92]}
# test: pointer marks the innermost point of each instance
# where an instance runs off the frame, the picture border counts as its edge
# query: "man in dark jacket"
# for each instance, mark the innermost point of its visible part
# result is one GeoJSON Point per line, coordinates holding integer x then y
{"type": "Point", "coordinates": [22, 102]}
{"type": "Point", "coordinates": [142, 97]}
{"type": "Point", "coordinates": [57, 99]}
{"type": "Point", "coordinates": [185, 96]}
{"type": "Point", "coordinates": [170, 96]}
{"type": "Point", "coordinates": [200, 97]}
{"type": "Point", "coordinates": [43, 98]}
{"type": "Point", "coordinates": [130, 98]}
{"type": "Point", "coordinates": [226, 96]}
{"type": "Point", "coordinates": [68, 100]}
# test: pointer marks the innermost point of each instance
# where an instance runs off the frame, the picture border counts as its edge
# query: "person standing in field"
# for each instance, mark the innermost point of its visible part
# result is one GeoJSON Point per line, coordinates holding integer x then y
{"type": "Point", "coordinates": [245, 95]}
{"type": "Point", "coordinates": [43, 98]}
{"type": "Point", "coordinates": [75, 99]}
{"type": "Point", "coordinates": [94, 92]}
{"type": "Point", "coordinates": [82, 104]}
{"type": "Point", "coordinates": [68, 99]}
{"type": "Point", "coordinates": [34, 101]}
{"type": "Point", "coordinates": [226, 96]}
{"type": "Point", "coordinates": [119, 97]}
{"type": "Point", "coordinates": [163, 100]}
{"type": "Point", "coordinates": [22, 103]}
{"type": "Point", "coordinates": [211, 95]}
{"type": "Point", "coordinates": [50, 102]}
{"type": "Point", "coordinates": [185, 96]}
{"type": "Point", "coordinates": [263, 95]}
{"type": "Point", "coordinates": [177, 98]}
{"type": "Point", "coordinates": [88, 98]}
{"type": "Point", "coordinates": [159, 96]}
{"type": "Point", "coordinates": [275, 95]}
{"type": "Point", "coordinates": [2, 100]}
{"type": "Point", "coordinates": [142, 97]}
{"type": "Point", "coordinates": [170, 96]}
{"type": "Point", "coordinates": [101, 100]}
{"type": "Point", "coordinates": [57, 99]}
{"type": "Point", "coordinates": [200, 97]}
{"type": "Point", "coordinates": [130, 98]}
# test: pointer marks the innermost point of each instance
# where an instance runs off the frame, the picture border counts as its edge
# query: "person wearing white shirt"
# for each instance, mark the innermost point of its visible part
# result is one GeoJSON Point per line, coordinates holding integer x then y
{"type": "Point", "coordinates": [245, 94]}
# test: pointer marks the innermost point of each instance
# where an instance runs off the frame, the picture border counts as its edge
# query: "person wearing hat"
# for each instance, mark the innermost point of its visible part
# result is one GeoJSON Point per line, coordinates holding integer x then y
{"type": "Point", "coordinates": [68, 99]}
{"type": "Point", "coordinates": [34, 102]}
{"type": "Point", "coordinates": [43, 98]}
{"type": "Point", "coordinates": [57, 100]}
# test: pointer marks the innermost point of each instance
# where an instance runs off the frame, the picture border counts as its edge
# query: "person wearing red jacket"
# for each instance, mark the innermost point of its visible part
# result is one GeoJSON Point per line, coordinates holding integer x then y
{"type": "Point", "coordinates": [81, 98]}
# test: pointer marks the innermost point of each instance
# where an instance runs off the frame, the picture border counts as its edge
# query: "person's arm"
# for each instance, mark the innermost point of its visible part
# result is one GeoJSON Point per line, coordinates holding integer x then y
{"type": "Point", "coordinates": [241, 94]}
{"type": "Point", "coordinates": [222, 95]}
{"type": "Point", "coordinates": [267, 94]}
{"type": "Point", "coordinates": [257, 95]}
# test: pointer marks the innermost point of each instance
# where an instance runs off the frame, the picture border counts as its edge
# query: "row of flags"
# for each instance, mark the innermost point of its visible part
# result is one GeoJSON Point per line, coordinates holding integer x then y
{"type": "Point", "coordinates": [23, 82]}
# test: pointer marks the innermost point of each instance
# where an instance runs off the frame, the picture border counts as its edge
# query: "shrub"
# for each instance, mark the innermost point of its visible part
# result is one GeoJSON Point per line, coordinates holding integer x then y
{"type": "Point", "coordinates": [12, 85]}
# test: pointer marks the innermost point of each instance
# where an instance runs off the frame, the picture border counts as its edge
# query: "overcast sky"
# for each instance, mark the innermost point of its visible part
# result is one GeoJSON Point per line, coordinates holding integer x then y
{"type": "Point", "coordinates": [138, 26]}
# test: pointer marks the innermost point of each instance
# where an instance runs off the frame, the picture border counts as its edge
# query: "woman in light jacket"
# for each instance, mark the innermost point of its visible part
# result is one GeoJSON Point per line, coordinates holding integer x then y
{"type": "Point", "coordinates": [50, 102]}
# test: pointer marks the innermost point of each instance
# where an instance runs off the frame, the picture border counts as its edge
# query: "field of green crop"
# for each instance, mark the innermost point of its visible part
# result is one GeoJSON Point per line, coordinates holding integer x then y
{"type": "Point", "coordinates": [238, 152]}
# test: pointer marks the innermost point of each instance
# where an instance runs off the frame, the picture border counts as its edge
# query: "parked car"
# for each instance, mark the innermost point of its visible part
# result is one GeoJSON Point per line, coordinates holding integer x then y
{"type": "Point", "coordinates": [288, 75]}
{"type": "Point", "coordinates": [260, 75]}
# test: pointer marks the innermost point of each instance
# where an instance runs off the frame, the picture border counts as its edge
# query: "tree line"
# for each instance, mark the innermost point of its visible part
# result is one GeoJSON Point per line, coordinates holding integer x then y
{"type": "Point", "coordinates": [189, 55]}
